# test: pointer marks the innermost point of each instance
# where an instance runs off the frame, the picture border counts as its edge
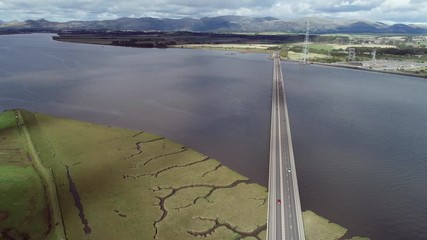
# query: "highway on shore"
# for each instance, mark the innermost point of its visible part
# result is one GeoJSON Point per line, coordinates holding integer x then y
{"type": "Point", "coordinates": [284, 208]}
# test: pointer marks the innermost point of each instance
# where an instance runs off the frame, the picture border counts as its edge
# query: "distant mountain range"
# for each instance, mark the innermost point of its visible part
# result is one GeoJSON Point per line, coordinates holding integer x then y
{"type": "Point", "coordinates": [219, 24]}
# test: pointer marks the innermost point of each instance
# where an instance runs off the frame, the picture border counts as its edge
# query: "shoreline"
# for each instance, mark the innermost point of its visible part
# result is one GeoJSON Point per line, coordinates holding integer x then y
{"type": "Point", "coordinates": [201, 198]}
{"type": "Point", "coordinates": [265, 51]}
{"type": "Point", "coordinates": [364, 69]}
{"type": "Point", "coordinates": [261, 48]}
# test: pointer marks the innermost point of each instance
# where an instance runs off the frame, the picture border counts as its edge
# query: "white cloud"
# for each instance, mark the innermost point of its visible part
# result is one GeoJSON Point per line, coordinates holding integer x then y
{"type": "Point", "coordinates": [376, 10]}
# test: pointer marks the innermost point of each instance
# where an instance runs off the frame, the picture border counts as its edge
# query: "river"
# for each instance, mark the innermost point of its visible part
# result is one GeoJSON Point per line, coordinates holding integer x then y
{"type": "Point", "coordinates": [359, 137]}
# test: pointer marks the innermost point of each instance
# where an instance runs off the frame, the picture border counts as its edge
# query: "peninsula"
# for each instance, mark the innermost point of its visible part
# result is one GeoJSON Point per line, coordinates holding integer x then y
{"type": "Point", "coordinates": [78, 180]}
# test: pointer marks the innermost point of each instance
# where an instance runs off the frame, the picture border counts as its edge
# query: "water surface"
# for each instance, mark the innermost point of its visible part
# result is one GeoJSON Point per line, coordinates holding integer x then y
{"type": "Point", "coordinates": [360, 146]}
{"type": "Point", "coordinates": [214, 102]}
{"type": "Point", "coordinates": [359, 137]}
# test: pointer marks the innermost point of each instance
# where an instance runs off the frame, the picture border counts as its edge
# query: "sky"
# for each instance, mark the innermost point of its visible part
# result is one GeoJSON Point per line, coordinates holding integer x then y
{"type": "Point", "coordinates": [388, 11]}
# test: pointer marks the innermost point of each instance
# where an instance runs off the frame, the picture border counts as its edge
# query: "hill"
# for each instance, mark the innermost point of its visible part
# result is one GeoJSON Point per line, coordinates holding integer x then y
{"type": "Point", "coordinates": [218, 24]}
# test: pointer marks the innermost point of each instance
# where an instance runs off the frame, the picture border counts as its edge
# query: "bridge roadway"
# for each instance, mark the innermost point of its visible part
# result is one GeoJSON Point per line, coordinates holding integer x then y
{"type": "Point", "coordinates": [284, 220]}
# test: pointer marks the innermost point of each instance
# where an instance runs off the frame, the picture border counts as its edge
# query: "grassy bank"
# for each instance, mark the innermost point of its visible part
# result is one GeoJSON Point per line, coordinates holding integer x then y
{"type": "Point", "coordinates": [25, 209]}
{"type": "Point", "coordinates": [242, 48]}
{"type": "Point", "coordinates": [120, 184]}
{"type": "Point", "coordinates": [135, 185]}
{"type": "Point", "coordinates": [394, 55]}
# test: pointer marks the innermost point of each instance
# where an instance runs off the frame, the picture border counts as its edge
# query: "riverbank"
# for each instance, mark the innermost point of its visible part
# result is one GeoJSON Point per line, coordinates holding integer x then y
{"type": "Point", "coordinates": [145, 185]}
{"type": "Point", "coordinates": [239, 48]}
{"type": "Point", "coordinates": [269, 49]}
{"type": "Point", "coordinates": [28, 205]}
{"type": "Point", "coordinates": [241, 43]}
{"type": "Point", "coordinates": [361, 68]}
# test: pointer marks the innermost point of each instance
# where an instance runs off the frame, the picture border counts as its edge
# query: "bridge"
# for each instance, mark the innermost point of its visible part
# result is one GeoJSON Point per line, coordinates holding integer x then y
{"type": "Point", "coordinates": [284, 221]}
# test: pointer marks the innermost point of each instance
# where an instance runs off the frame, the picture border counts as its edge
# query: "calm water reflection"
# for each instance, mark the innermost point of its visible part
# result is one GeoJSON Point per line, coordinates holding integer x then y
{"type": "Point", "coordinates": [214, 102]}
{"type": "Point", "coordinates": [359, 137]}
{"type": "Point", "coordinates": [360, 142]}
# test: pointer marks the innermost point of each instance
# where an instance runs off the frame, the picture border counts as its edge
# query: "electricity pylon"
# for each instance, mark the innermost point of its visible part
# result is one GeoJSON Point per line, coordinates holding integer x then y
{"type": "Point", "coordinates": [305, 49]}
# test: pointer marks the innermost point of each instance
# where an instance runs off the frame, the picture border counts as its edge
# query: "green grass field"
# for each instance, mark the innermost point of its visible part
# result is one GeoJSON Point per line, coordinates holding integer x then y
{"type": "Point", "coordinates": [120, 184]}
{"type": "Point", "coordinates": [24, 211]}
{"type": "Point", "coordinates": [322, 228]}
{"type": "Point", "coordinates": [146, 186]}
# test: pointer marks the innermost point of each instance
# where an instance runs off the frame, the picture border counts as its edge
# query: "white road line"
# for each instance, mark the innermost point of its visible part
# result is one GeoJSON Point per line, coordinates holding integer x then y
{"type": "Point", "coordinates": [280, 160]}
{"type": "Point", "coordinates": [281, 153]}
{"type": "Point", "coordinates": [271, 214]}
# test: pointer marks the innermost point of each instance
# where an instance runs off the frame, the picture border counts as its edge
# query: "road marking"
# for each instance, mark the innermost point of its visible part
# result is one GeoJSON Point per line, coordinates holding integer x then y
{"type": "Point", "coordinates": [271, 226]}
{"type": "Point", "coordinates": [280, 156]}
{"type": "Point", "coordinates": [280, 150]}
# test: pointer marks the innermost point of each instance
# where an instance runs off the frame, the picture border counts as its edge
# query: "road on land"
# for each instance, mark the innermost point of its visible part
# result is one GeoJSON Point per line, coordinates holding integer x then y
{"type": "Point", "coordinates": [284, 208]}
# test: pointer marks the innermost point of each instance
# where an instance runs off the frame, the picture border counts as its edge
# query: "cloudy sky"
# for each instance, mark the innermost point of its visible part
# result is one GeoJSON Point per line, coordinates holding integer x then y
{"type": "Point", "coordinates": [405, 11]}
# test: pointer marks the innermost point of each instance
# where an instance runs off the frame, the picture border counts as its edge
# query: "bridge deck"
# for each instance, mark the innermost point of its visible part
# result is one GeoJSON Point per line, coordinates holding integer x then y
{"type": "Point", "coordinates": [284, 207]}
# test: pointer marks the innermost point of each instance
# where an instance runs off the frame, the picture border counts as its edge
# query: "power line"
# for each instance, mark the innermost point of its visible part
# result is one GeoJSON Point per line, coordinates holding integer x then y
{"type": "Point", "coordinates": [305, 49]}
